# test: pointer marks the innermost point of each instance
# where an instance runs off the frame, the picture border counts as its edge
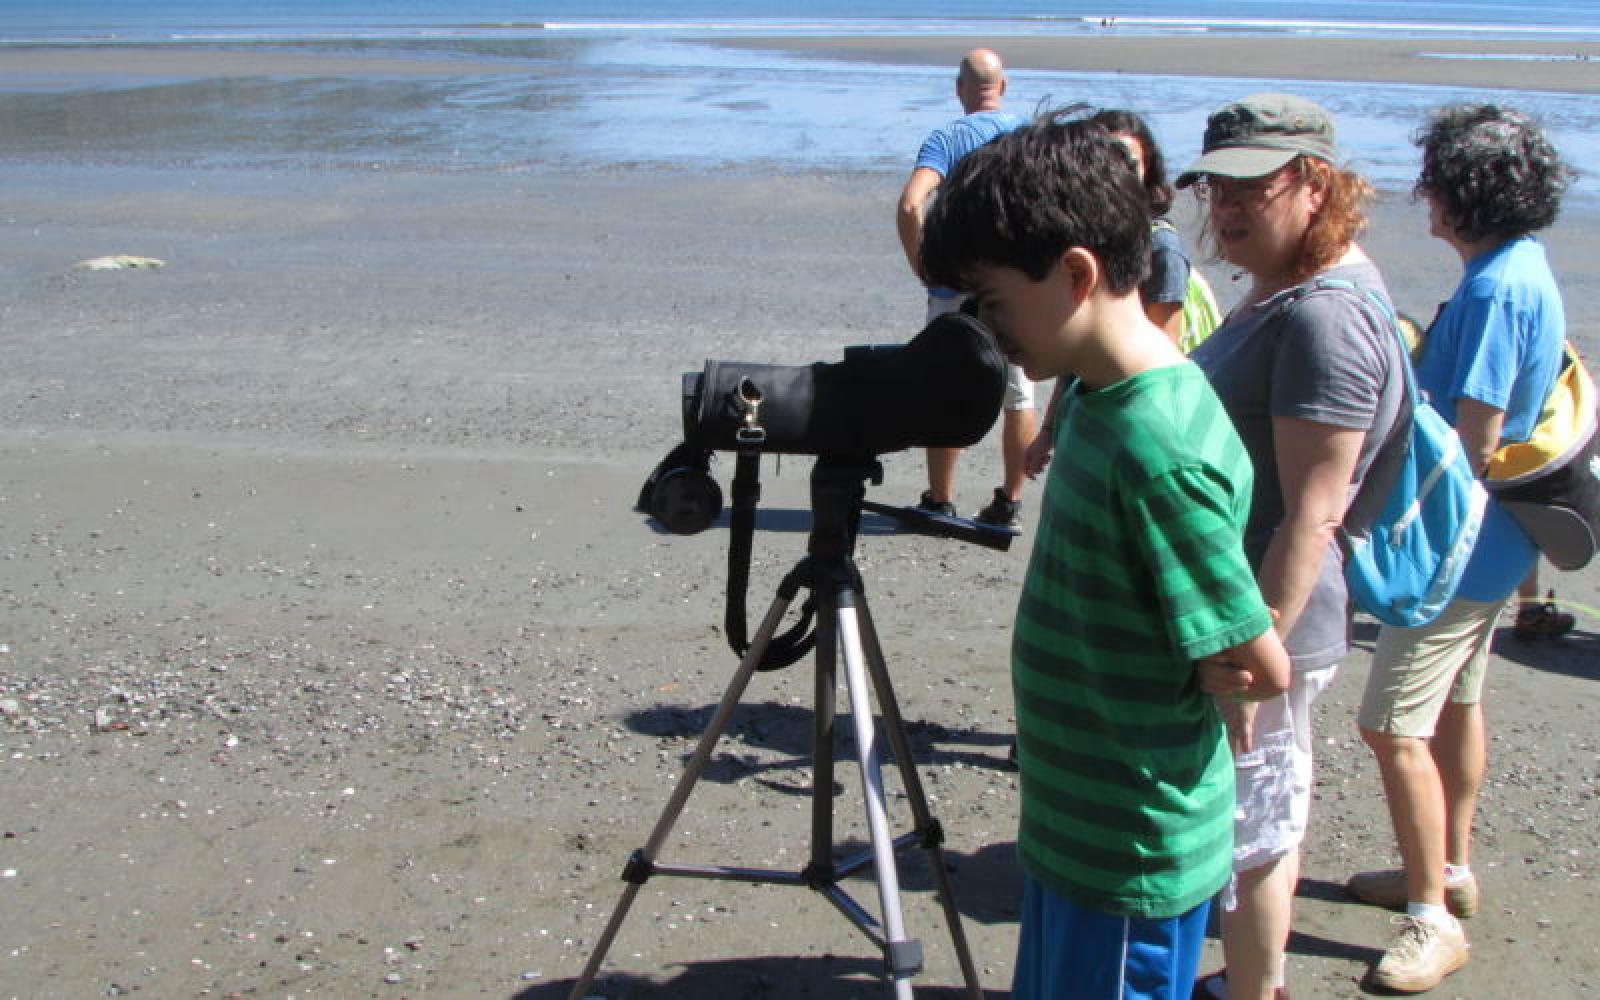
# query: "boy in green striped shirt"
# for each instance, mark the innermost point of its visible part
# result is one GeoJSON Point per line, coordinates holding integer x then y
{"type": "Point", "coordinates": [1137, 572]}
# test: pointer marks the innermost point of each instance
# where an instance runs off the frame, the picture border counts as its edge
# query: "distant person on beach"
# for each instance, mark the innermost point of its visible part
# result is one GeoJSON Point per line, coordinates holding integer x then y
{"type": "Point", "coordinates": [981, 88]}
{"type": "Point", "coordinates": [1137, 573]}
{"type": "Point", "coordinates": [1309, 370]}
{"type": "Point", "coordinates": [1164, 290]}
{"type": "Point", "coordinates": [1491, 180]}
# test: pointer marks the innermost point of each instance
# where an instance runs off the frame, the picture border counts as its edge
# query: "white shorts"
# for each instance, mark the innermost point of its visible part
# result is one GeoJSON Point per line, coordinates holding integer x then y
{"type": "Point", "coordinates": [1019, 387]}
{"type": "Point", "coordinates": [1273, 804]}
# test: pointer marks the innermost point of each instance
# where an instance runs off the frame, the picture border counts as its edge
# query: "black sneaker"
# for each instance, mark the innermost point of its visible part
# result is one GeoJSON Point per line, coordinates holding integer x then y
{"type": "Point", "coordinates": [932, 506]}
{"type": "Point", "coordinates": [1002, 512]}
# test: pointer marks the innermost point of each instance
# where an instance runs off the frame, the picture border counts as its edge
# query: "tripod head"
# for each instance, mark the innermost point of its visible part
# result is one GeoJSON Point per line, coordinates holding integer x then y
{"type": "Point", "coordinates": [838, 496]}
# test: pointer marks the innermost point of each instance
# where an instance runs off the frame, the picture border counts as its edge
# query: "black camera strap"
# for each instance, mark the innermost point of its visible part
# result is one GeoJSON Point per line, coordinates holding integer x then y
{"type": "Point", "coordinates": [792, 645]}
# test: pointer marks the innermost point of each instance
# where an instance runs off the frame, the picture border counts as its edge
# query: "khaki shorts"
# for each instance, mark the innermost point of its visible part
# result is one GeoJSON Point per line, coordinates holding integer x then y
{"type": "Point", "coordinates": [1019, 387]}
{"type": "Point", "coordinates": [1416, 670]}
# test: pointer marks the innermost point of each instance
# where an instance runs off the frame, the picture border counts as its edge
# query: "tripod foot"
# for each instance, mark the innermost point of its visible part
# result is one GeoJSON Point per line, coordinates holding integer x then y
{"type": "Point", "coordinates": [904, 958]}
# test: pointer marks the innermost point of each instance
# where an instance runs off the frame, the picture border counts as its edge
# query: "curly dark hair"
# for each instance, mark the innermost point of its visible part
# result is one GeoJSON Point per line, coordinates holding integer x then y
{"type": "Point", "coordinates": [1119, 122]}
{"type": "Point", "coordinates": [1492, 172]}
{"type": "Point", "coordinates": [1024, 199]}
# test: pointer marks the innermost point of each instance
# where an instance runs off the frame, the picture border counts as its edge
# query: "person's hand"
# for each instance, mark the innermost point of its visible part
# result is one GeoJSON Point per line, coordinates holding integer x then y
{"type": "Point", "coordinates": [1037, 455]}
{"type": "Point", "coordinates": [1240, 718]}
{"type": "Point", "coordinates": [1223, 678]}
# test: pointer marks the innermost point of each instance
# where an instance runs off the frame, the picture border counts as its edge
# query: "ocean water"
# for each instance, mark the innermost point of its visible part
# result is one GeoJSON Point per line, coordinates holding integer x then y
{"type": "Point", "coordinates": [578, 85]}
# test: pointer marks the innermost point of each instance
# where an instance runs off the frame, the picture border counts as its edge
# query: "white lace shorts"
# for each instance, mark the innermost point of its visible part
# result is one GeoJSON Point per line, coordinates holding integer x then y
{"type": "Point", "coordinates": [1274, 779]}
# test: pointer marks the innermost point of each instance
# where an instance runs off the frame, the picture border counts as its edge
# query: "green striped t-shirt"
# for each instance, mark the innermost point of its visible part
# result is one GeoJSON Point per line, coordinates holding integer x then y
{"type": "Point", "coordinates": [1137, 570]}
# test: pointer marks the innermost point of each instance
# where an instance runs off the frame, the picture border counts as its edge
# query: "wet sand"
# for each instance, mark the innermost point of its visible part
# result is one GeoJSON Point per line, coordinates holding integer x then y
{"type": "Point", "coordinates": [1569, 66]}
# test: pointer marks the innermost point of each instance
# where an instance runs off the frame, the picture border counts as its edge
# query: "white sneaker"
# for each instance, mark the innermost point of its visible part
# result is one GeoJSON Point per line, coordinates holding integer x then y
{"type": "Point", "coordinates": [1422, 954]}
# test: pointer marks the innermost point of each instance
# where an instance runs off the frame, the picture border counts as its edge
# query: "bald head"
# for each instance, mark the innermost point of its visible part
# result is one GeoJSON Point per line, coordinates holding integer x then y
{"type": "Point", "coordinates": [981, 82]}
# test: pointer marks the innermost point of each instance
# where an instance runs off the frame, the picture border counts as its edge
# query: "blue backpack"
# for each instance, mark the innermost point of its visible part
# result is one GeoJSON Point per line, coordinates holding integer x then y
{"type": "Point", "coordinates": [1410, 531]}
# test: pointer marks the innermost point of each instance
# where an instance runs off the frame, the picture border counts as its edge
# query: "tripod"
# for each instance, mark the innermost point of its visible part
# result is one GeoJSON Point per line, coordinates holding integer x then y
{"type": "Point", "coordinates": [843, 624]}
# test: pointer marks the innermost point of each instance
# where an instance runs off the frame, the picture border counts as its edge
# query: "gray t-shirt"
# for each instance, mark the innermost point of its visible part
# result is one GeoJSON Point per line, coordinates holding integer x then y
{"type": "Point", "coordinates": [1329, 357]}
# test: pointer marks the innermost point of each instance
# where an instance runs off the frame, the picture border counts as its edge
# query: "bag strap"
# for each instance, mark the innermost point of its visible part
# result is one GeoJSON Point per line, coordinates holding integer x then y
{"type": "Point", "coordinates": [782, 650]}
{"type": "Point", "coordinates": [1391, 455]}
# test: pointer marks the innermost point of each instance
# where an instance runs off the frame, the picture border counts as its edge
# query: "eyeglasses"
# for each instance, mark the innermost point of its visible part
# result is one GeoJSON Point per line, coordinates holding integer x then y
{"type": "Point", "coordinates": [1249, 193]}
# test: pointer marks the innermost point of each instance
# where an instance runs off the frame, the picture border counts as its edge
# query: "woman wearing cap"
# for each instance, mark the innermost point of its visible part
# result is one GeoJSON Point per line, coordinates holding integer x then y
{"type": "Point", "coordinates": [1308, 369]}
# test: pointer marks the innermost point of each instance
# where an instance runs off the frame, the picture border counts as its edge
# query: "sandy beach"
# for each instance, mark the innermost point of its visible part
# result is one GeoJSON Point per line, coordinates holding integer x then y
{"type": "Point", "coordinates": [335, 663]}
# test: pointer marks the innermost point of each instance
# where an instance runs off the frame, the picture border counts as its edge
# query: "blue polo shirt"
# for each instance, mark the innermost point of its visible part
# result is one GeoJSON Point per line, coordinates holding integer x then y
{"type": "Point", "coordinates": [945, 147]}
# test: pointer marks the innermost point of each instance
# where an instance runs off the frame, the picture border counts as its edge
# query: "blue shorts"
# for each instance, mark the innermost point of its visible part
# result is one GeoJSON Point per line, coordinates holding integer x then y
{"type": "Point", "coordinates": [1065, 950]}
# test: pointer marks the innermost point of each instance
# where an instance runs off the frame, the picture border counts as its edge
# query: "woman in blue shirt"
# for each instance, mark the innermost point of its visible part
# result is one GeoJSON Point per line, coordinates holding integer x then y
{"type": "Point", "coordinates": [1491, 179]}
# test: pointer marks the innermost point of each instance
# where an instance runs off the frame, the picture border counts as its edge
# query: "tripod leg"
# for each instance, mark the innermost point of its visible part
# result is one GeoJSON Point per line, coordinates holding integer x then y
{"type": "Point", "coordinates": [638, 867]}
{"type": "Point", "coordinates": [912, 781]}
{"type": "Point", "coordinates": [823, 723]}
{"type": "Point", "coordinates": [904, 955]}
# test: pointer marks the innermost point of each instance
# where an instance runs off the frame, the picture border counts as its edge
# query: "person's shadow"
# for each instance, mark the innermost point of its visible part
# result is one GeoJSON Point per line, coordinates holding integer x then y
{"type": "Point", "coordinates": [1576, 654]}
{"type": "Point", "coordinates": [786, 730]}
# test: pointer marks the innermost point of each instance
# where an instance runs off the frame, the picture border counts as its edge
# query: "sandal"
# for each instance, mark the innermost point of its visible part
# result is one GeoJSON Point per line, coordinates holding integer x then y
{"type": "Point", "coordinates": [1542, 621]}
{"type": "Point", "coordinates": [1215, 987]}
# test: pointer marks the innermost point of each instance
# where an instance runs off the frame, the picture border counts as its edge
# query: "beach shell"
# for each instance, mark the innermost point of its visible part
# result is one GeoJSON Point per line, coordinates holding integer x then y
{"type": "Point", "coordinates": [120, 262]}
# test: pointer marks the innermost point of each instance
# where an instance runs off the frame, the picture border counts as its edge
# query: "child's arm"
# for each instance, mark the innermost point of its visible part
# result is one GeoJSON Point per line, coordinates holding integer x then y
{"type": "Point", "coordinates": [1251, 671]}
{"type": "Point", "coordinates": [1226, 675]}
{"type": "Point", "coordinates": [1247, 673]}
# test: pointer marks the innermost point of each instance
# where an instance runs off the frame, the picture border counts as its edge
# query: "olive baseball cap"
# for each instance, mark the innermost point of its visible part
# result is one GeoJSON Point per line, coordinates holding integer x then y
{"type": "Point", "coordinates": [1255, 136]}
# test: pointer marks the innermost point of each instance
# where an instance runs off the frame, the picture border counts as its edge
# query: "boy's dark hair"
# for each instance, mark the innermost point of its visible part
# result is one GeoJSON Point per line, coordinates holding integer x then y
{"type": "Point", "coordinates": [1492, 172]}
{"type": "Point", "coordinates": [1119, 122]}
{"type": "Point", "coordinates": [1024, 199]}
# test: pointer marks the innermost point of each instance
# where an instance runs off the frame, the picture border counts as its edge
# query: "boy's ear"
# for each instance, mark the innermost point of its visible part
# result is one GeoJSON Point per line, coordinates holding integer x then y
{"type": "Point", "coordinates": [1083, 269]}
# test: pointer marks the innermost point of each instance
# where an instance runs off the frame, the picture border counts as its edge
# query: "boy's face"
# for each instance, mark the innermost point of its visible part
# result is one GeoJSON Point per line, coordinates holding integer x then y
{"type": "Point", "coordinates": [1030, 319]}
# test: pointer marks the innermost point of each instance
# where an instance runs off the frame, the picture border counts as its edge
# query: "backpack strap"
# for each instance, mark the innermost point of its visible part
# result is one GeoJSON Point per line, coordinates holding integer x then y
{"type": "Point", "coordinates": [1390, 457]}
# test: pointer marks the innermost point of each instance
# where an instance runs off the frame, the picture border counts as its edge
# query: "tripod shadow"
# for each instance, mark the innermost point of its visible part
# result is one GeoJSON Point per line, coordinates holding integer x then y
{"type": "Point", "coordinates": [788, 520]}
{"type": "Point", "coordinates": [786, 730]}
{"type": "Point", "coordinates": [793, 521]}
{"type": "Point", "coordinates": [773, 977]}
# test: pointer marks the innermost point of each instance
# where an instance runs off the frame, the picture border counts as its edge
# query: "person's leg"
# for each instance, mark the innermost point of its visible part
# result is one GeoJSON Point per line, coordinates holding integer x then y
{"type": "Point", "coordinates": [1274, 795]}
{"type": "Point", "coordinates": [1068, 950]}
{"type": "Point", "coordinates": [1460, 753]}
{"type": "Point", "coordinates": [1016, 433]}
{"type": "Point", "coordinates": [1415, 796]}
{"type": "Point", "coordinates": [1414, 672]}
{"type": "Point", "coordinates": [1017, 428]}
{"type": "Point", "coordinates": [1163, 955]}
{"type": "Point", "coordinates": [1256, 931]}
{"type": "Point", "coordinates": [942, 474]}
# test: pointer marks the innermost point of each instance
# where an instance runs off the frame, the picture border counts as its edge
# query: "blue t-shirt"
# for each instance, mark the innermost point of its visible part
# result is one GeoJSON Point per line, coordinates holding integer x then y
{"type": "Point", "coordinates": [1169, 267]}
{"type": "Point", "coordinates": [945, 147]}
{"type": "Point", "coordinates": [1498, 341]}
